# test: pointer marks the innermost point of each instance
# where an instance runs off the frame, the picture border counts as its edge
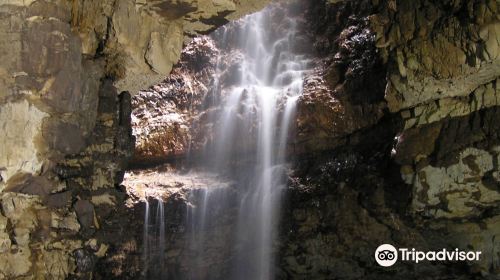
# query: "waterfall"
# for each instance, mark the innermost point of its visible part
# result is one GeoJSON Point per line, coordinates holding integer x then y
{"type": "Point", "coordinates": [254, 123]}
{"type": "Point", "coordinates": [196, 217]}
{"type": "Point", "coordinates": [251, 120]}
{"type": "Point", "coordinates": [206, 207]}
{"type": "Point", "coordinates": [160, 226]}
{"type": "Point", "coordinates": [154, 246]}
{"type": "Point", "coordinates": [145, 238]}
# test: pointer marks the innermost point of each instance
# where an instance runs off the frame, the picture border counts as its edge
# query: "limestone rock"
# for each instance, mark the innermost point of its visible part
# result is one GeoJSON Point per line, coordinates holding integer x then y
{"type": "Point", "coordinates": [143, 56]}
{"type": "Point", "coordinates": [16, 264]}
{"type": "Point", "coordinates": [68, 222]}
{"type": "Point", "coordinates": [104, 199]}
{"type": "Point", "coordinates": [5, 241]}
{"type": "Point", "coordinates": [485, 96]}
{"type": "Point", "coordinates": [56, 263]}
{"type": "Point", "coordinates": [437, 61]}
{"type": "Point", "coordinates": [456, 191]}
{"type": "Point", "coordinates": [21, 123]}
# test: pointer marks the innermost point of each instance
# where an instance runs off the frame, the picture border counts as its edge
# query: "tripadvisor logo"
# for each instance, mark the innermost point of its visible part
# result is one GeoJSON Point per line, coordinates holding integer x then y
{"type": "Point", "coordinates": [387, 255]}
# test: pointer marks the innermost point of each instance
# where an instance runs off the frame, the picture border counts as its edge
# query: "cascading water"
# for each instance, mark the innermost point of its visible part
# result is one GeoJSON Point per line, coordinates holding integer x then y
{"type": "Point", "coordinates": [211, 207]}
{"type": "Point", "coordinates": [255, 118]}
{"type": "Point", "coordinates": [154, 249]}
{"type": "Point", "coordinates": [251, 123]}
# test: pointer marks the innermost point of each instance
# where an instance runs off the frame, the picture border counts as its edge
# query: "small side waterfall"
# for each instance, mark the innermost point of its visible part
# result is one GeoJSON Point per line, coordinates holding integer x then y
{"type": "Point", "coordinates": [154, 242]}
{"type": "Point", "coordinates": [145, 238]}
{"type": "Point", "coordinates": [206, 208]}
{"type": "Point", "coordinates": [160, 225]}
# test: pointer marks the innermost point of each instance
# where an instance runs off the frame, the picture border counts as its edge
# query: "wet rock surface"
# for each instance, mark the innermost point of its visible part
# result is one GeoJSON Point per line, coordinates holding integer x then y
{"type": "Point", "coordinates": [181, 196]}
{"type": "Point", "coordinates": [163, 115]}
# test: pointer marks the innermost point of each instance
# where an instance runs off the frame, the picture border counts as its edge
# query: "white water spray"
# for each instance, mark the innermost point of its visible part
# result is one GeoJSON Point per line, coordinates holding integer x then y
{"type": "Point", "coordinates": [249, 146]}
{"type": "Point", "coordinates": [256, 114]}
{"type": "Point", "coordinates": [154, 246]}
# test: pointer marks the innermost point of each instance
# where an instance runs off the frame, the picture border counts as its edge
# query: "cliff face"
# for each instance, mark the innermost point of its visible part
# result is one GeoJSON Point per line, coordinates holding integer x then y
{"type": "Point", "coordinates": [66, 71]}
{"type": "Point", "coordinates": [430, 120]}
{"type": "Point", "coordinates": [444, 86]}
{"type": "Point", "coordinates": [414, 151]}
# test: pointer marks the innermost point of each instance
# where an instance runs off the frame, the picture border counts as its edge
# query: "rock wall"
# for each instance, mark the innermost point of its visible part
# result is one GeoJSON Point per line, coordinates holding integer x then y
{"type": "Point", "coordinates": [444, 85]}
{"type": "Point", "coordinates": [414, 151]}
{"type": "Point", "coordinates": [66, 71]}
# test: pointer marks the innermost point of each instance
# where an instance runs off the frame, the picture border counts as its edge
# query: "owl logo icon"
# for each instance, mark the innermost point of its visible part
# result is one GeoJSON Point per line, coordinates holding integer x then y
{"type": "Point", "coordinates": [386, 255]}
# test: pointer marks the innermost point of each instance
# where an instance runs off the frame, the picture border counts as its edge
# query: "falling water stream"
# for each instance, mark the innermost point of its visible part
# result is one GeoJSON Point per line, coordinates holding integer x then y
{"type": "Point", "coordinates": [255, 113]}
{"type": "Point", "coordinates": [271, 76]}
{"type": "Point", "coordinates": [154, 248]}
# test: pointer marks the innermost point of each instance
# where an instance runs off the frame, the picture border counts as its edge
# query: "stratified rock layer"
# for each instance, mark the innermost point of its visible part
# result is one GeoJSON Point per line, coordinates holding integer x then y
{"type": "Point", "coordinates": [66, 73]}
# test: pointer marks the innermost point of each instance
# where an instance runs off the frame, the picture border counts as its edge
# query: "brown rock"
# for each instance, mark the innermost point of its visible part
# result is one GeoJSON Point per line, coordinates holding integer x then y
{"type": "Point", "coordinates": [85, 212]}
{"type": "Point", "coordinates": [66, 138]}
{"type": "Point", "coordinates": [59, 200]}
{"type": "Point", "coordinates": [418, 142]}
